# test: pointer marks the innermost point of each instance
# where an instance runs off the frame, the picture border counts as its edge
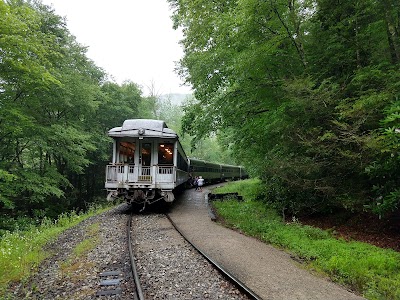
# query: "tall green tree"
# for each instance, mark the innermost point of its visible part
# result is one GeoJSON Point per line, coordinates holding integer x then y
{"type": "Point", "coordinates": [55, 109]}
{"type": "Point", "coordinates": [304, 90]}
{"type": "Point", "coordinates": [48, 90]}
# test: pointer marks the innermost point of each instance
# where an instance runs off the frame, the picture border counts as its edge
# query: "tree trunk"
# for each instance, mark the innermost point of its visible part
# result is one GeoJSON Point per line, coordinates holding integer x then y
{"type": "Point", "coordinates": [391, 13]}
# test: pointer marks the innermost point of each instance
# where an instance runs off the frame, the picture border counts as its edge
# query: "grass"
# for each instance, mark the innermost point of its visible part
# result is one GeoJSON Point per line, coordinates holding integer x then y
{"type": "Point", "coordinates": [90, 242]}
{"type": "Point", "coordinates": [372, 271]}
{"type": "Point", "coordinates": [71, 267]}
{"type": "Point", "coordinates": [21, 252]}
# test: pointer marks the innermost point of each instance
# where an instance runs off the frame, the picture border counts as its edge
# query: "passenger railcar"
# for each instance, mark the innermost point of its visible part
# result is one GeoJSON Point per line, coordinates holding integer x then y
{"type": "Point", "coordinates": [149, 163]}
{"type": "Point", "coordinates": [229, 172]}
{"type": "Point", "coordinates": [213, 172]}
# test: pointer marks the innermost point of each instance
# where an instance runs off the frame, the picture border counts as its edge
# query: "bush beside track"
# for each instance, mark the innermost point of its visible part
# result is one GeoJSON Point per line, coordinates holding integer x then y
{"type": "Point", "coordinates": [371, 271]}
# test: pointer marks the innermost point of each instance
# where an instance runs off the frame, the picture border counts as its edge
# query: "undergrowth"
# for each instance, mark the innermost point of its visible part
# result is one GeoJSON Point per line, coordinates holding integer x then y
{"type": "Point", "coordinates": [372, 271]}
{"type": "Point", "coordinates": [21, 252]}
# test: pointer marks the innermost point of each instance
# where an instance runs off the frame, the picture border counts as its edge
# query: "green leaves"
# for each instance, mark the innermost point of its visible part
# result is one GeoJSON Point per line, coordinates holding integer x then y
{"type": "Point", "coordinates": [6, 180]}
{"type": "Point", "coordinates": [305, 93]}
{"type": "Point", "coordinates": [55, 109]}
{"type": "Point", "coordinates": [25, 62]}
{"type": "Point", "coordinates": [69, 147]}
{"type": "Point", "coordinates": [36, 188]}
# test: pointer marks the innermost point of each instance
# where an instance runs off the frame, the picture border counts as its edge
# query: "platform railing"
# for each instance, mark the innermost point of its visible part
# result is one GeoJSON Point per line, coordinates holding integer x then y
{"type": "Point", "coordinates": [145, 174]}
{"type": "Point", "coordinates": [115, 173]}
{"type": "Point", "coordinates": [165, 174]}
{"type": "Point", "coordinates": [131, 173]}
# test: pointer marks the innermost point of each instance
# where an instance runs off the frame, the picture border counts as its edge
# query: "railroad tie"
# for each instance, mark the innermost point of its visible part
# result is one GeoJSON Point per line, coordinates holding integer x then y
{"type": "Point", "coordinates": [109, 283]}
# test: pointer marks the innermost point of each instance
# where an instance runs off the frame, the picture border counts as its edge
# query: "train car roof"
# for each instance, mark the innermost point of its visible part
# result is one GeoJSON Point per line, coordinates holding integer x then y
{"type": "Point", "coordinates": [201, 161]}
{"type": "Point", "coordinates": [143, 127]}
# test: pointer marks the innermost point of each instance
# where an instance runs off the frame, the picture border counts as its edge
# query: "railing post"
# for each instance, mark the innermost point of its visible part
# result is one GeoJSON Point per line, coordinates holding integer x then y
{"type": "Point", "coordinates": [153, 176]}
{"type": "Point", "coordinates": [174, 171]}
{"type": "Point", "coordinates": [125, 176]}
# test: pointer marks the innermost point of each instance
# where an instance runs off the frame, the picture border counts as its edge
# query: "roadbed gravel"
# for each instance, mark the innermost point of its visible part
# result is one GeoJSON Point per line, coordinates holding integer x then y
{"type": "Point", "coordinates": [65, 275]}
{"type": "Point", "coordinates": [170, 268]}
{"type": "Point", "coordinates": [267, 271]}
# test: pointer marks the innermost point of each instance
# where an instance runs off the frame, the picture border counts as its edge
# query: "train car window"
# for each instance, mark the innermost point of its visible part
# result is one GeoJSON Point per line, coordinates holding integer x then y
{"type": "Point", "coordinates": [146, 154]}
{"type": "Point", "coordinates": [166, 154]}
{"type": "Point", "coordinates": [182, 163]}
{"type": "Point", "coordinates": [127, 152]}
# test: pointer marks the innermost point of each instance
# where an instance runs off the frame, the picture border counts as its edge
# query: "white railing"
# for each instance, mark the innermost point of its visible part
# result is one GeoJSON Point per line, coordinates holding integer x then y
{"type": "Point", "coordinates": [115, 173]}
{"type": "Point", "coordinates": [131, 173]}
{"type": "Point", "coordinates": [145, 174]}
{"type": "Point", "coordinates": [145, 171]}
{"type": "Point", "coordinates": [165, 174]}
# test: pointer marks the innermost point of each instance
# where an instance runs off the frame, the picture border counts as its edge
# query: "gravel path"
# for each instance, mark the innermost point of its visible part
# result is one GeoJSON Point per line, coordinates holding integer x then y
{"type": "Point", "coordinates": [169, 267]}
{"type": "Point", "coordinates": [267, 271]}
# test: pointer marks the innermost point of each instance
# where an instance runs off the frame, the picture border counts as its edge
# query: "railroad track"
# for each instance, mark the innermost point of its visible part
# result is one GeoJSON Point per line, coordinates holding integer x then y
{"type": "Point", "coordinates": [170, 266]}
{"type": "Point", "coordinates": [240, 285]}
{"type": "Point", "coordinates": [111, 279]}
{"type": "Point", "coordinates": [138, 287]}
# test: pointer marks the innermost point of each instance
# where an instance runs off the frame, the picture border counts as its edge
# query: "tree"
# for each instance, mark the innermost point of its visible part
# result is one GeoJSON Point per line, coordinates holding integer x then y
{"type": "Point", "coordinates": [48, 90]}
{"type": "Point", "coordinates": [302, 90]}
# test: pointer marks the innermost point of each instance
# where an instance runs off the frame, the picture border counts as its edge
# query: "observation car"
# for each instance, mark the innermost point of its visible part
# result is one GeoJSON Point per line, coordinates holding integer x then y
{"type": "Point", "coordinates": [149, 163]}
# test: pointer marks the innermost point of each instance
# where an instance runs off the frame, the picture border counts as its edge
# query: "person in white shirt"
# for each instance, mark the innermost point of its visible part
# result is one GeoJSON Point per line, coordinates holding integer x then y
{"type": "Point", "coordinates": [200, 183]}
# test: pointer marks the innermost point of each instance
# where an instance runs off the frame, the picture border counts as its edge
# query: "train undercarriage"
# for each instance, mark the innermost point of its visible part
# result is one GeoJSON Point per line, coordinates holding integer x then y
{"type": "Point", "coordinates": [142, 197]}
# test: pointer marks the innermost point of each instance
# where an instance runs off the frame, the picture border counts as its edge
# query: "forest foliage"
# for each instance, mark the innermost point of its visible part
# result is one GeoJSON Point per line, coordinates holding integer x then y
{"type": "Point", "coordinates": [305, 93]}
{"type": "Point", "coordinates": [56, 107]}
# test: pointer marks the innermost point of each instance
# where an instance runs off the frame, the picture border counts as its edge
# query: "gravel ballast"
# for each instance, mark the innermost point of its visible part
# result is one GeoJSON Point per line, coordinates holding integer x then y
{"type": "Point", "coordinates": [67, 275]}
{"type": "Point", "coordinates": [168, 266]}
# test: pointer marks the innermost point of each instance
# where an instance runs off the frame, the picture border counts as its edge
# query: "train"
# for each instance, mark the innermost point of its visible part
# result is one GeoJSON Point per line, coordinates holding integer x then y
{"type": "Point", "coordinates": [149, 164]}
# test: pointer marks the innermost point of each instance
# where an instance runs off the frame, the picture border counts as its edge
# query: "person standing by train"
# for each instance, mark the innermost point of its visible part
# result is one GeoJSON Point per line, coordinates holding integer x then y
{"type": "Point", "coordinates": [195, 183]}
{"type": "Point", "coordinates": [200, 183]}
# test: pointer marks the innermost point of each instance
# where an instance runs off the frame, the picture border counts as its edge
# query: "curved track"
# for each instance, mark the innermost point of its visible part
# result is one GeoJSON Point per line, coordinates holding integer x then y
{"type": "Point", "coordinates": [138, 287]}
{"type": "Point", "coordinates": [240, 285]}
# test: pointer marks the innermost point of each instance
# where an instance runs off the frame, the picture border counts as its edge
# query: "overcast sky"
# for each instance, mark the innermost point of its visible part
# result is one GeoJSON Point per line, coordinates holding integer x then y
{"type": "Point", "coordinates": [129, 39]}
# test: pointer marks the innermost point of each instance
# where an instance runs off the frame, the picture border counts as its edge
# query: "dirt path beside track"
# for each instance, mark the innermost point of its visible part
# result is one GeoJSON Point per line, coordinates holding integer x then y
{"type": "Point", "coordinates": [269, 272]}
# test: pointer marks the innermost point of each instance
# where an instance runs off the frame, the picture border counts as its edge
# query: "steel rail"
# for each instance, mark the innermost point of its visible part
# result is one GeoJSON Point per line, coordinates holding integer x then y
{"type": "Point", "coordinates": [224, 272]}
{"type": "Point", "coordinates": [138, 287]}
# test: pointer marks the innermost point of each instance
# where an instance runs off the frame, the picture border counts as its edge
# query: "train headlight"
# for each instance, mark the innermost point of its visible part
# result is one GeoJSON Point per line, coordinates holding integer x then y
{"type": "Point", "coordinates": [141, 131]}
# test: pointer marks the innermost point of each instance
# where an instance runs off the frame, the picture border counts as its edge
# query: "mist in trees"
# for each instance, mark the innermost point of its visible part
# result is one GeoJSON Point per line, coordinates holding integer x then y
{"type": "Point", "coordinates": [306, 94]}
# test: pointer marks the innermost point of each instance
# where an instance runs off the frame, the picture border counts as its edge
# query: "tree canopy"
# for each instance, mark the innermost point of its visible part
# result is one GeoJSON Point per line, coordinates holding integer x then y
{"type": "Point", "coordinates": [56, 106]}
{"type": "Point", "coordinates": [305, 92]}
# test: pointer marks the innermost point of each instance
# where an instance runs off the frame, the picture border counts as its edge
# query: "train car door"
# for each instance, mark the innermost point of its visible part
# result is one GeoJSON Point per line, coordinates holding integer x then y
{"type": "Point", "coordinates": [145, 161]}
